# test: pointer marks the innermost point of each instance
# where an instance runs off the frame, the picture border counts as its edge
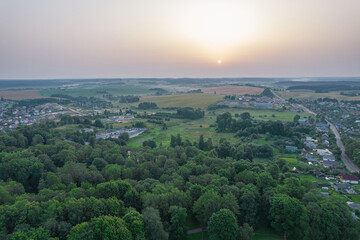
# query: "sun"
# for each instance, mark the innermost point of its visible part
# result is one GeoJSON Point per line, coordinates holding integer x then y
{"type": "Point", "coordinates": [219, 61]}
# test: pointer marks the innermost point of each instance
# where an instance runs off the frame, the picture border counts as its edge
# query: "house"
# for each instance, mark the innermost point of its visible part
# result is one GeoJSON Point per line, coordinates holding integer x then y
{"type": "Point", "coordinates": [348, 178]}
{"type": "Point", "coordinates": [343, 188]}
{"type": "Point", "coordinates": [311, 145]}
{"type": "Point", "coordinates": [330, 158]}
{"type": "Point", "coordinates": [319, 174]}
{"type": "Point", "coordinates": [324, 152]}
{"type": "Point", "coordinates": [291, 148]}
{"type": "Point", "coordinates": [331, 164]}
{"type": "Point", "coordinates": [308, 139]}
{"type": "Point", "coordinates": [310, 158]}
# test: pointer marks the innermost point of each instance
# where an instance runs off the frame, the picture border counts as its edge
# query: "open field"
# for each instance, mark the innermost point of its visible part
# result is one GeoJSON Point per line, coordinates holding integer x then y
{"type": "Point", "coordinates": [99, 92]}
{"type": "Point", "coordinates": [192, 129]}
{"type": "Point", "coordinates": [20, 95]}
{"type": "Point", "coordinates": [313, 95]}
{"type": "Point", "coordinates": [188, 129]}
{"type": "Point", "coordinates": [233, 90]}
{"type": "Point", "coordinates": [184, 100]}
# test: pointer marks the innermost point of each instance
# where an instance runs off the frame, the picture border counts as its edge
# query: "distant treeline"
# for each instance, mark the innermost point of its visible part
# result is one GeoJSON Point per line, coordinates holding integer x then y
{"type": "Point", "coordinates": [39, 101]}
{"type": "Point", "coordinates": [324, 88]}
{"type": "Point", "coordinates": [147, 105]}
{"type": "Point", "coordinates": [85, 101]}
{"type": "Point", "coordinates": [129, 99]}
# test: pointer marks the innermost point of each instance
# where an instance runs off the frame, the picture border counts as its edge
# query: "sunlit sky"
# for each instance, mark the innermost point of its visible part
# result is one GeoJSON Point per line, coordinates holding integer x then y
{"type": "Point", "coordinates": [179, 38]}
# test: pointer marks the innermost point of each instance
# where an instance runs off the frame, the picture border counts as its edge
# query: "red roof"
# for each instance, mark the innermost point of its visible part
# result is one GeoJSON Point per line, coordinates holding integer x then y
{"type": "Point", "coordinates": [349, 177]}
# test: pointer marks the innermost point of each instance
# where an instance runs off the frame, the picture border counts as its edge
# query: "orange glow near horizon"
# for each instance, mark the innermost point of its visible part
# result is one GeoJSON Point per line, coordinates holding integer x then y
{"type": "Point", "coordinates": [179, 38]}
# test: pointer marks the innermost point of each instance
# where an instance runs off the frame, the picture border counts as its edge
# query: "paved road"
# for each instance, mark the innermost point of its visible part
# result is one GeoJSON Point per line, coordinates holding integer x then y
{"type": "Point", "coordinates": [304, 108]}
{"type": "Point", "coordinates": [348, 163]}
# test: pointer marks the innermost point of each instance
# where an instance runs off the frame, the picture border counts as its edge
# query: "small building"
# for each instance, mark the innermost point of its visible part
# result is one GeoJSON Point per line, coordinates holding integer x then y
{"type": "Point", "coordinates": [324, 152]}
{"type": "Point", "coordinates": [348, 178]}
{"type": "Point", "coordinates": [343, 188]}
{"type": "Point", "coordinates": [331, 164]}
{"type": "Point", "coordinates": [319, 174]}
{"type": "Point", "coordinates": [312, 146]}
{"type": "Point", "coordinates": [330, 158]}
{"type": "Point", "coordinates": [310, 159]}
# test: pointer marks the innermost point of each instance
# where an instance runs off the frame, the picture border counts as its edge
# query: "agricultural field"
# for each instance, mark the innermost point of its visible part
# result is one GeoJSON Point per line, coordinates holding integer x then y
{"type": "Point", "coordinates": [303, 94]}
{"type": "Point", "coordinates": [99, 92]}
{"type": "Point", "coordinates": [233, 90]}
{"type": "Point", "coordinates": [20, 95]}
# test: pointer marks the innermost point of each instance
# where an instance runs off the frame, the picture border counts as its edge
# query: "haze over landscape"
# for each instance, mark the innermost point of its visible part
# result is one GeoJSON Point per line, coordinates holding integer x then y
{"type": "Point", "coordinates": [179, 120]}
{"type": "Point", "coordinates": [158, 38]}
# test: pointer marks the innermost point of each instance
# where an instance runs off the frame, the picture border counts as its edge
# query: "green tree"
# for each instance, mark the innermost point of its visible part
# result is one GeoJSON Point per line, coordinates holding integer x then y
{"type": "Point", "coordinates": [296, 118]}
{"type": "Point", "coordinates": [324, 226]}
{"type": "Point", "coordinates": [177, 229]}
{"type": "Point", "coordinates": [201, 142]}
{"type": "Point", "coordinates": [153, 225]}
{"type": "Point", "coordinates": [249, 204]}
{"type": "Point", "coordinates": [98, 124]}
{"type": "Point", "coordinates": [245, 116]}
{"type": "Point", "coordinates": [206, 205]}
{"type": "Point", "coordinates": [103, 227]}
{"type": "Point", "coordinates": [223, 226]}
{"type": "Point", "coordinates": [288, 215]}
{"type": "Point", "coordinates": [135, 223]}
{"type": "Point", "coordinates": [245, 232]}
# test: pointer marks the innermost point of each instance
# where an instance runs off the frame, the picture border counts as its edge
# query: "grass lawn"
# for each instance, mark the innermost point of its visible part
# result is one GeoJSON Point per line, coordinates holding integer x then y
{"type": "Point", "coordinates": [266, 237]}
{"type": "Point", "coordinates": [290, 160]}
{"type": "Point", "coordinates": [261, 141]}
{"type": "Point", "coordinates": [355, 198]}
{"type": "Point", "coordinates": [312, 178]}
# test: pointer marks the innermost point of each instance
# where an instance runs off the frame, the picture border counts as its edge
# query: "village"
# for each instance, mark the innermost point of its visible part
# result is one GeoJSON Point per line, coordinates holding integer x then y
{"type": "Point", "coordinates": [11, 117]}
{"type": "Point", "coordinates": [334, 178]}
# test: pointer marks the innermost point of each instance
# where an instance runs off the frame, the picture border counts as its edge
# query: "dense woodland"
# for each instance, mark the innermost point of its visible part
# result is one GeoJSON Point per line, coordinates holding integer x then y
{"type": "Point", "coordinates": [54, 188]}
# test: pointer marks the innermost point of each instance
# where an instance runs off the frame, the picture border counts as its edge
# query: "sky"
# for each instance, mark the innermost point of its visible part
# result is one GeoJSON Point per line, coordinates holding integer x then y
{"type": "Point", "coordinates": [179, 38]}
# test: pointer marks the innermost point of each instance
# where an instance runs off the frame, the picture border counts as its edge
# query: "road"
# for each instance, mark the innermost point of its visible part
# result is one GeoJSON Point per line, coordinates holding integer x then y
{"type": "Point", "coordinates": [348, 163]}
{"type": "Point", "coordinates": [304, 108]}
{"type": "Point", "coordinates": [346, 160]}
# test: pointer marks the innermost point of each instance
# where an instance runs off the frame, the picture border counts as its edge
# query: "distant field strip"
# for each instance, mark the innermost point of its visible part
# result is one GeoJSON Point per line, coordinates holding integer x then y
{"type": "Point", "coordinates": [184, 100]}
{"type": "Point", "coordinates": [233, 90]}
{"type": "Point", "coordinates": [20, 95]}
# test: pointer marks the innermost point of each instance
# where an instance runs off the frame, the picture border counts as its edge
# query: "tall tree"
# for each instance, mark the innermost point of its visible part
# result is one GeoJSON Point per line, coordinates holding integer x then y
{"type": "Point", "coordinates": [153, 225]}
{"type": "Point", "coordinates": [223, 226]}
{"type": "Point", "coordinates": [177, 227]}
{"type": "Point", "coordinates": [288, 215]}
